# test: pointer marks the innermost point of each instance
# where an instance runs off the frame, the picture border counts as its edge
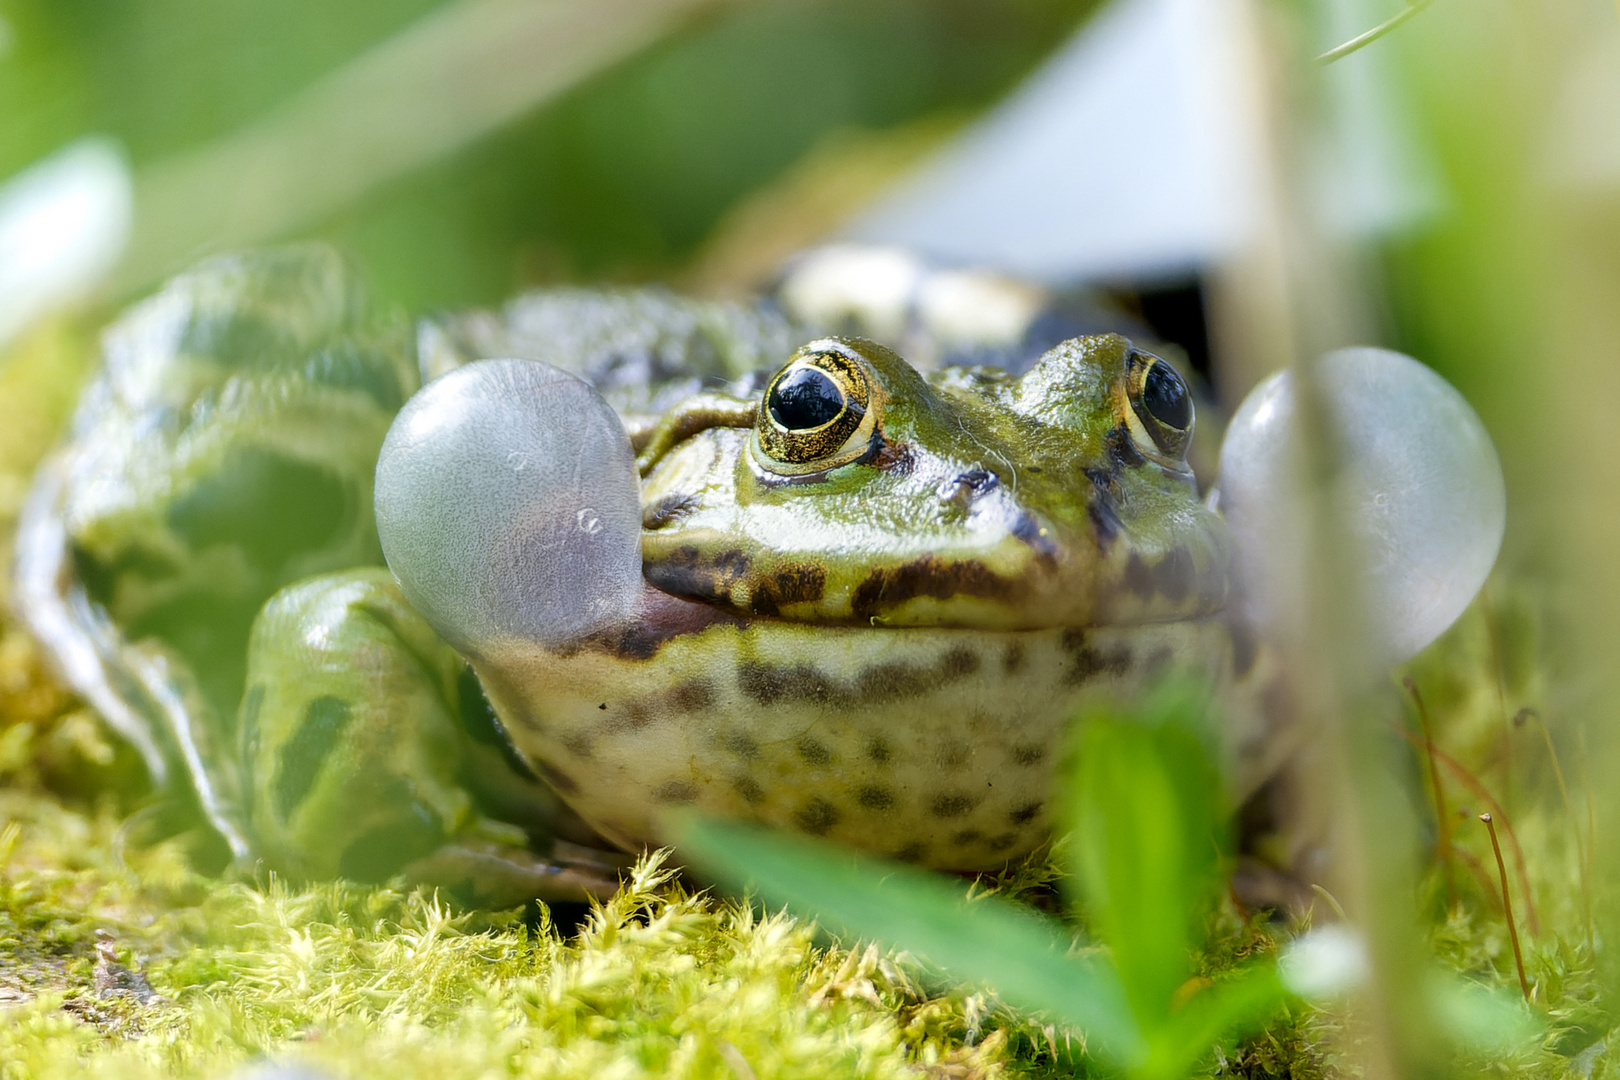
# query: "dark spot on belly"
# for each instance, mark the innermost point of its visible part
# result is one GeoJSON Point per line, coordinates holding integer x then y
{"type": "Point", "coordinates": [813, 752]}
{"type": "Point", "coordinates": [768, 684]}
{"type": "Point", "coordinates": [952, 805]}
{"type": "Point", "coordinates": [912, 853]}
{"type": "Point", "coordinates": [1029, 754]}
{"type": "Point", "coordinates": [878, 750]}
{"type": "Point", "coordinates": [554, 776]}
{"type": "Point", "coordinates": [1025, 814]}
{"type": "Point", "coordinates": [693, 695]}
{"type": "Point", "coordinates": [741, 744]}
{"type": "Point", "coordinates": [578, 744]}
{"type": "Point", "coordinates": [1012, 661]}
{"type": "Point", "coordinates": [952, 754]}
{"type": "Point", "coordinates": [675, 791]}
{"type": "Point", "coordinates": [817, 817]}
{"type": "Point", "coordinates": [966, 837]}
{"type": "Point", "coordinates": [1087, 661]}
{"type": "Point", "coordinates": [875, 798]}
{"type": "Point", "coordinates": [309, 749]}
{"type": "Point", "coordinates": [1003, 841]}
{"type": "Point", "coordinates": [886, 588]}
{"type": "Point", "coordinates": [1160, 660]}
{"type": "Point", "coordinates": [749, 789]}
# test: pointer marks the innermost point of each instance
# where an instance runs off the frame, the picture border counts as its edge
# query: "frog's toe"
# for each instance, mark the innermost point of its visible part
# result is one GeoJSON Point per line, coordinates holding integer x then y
{"type": "Point", "coordinates": [509, 507]}
{"type": "Point", "coordinates": [491, 874]}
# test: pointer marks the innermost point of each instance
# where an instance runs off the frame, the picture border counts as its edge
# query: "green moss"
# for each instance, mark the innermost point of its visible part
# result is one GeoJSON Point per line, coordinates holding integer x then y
{"type": "Point", "coordinates": [371, 981]}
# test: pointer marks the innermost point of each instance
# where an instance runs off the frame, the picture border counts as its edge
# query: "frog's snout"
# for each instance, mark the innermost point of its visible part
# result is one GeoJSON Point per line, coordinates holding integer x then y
{"type": "Point", "coordinates": [509, 507]}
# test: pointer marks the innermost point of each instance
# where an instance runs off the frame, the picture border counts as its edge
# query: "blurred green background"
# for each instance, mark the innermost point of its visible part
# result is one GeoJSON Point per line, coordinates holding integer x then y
{"type": "Point", "coordinates": [621, 178]}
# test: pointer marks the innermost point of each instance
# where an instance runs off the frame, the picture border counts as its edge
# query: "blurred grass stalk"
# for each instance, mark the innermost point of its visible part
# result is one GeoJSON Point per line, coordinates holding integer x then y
{"type": "Point", "coordinates": [1512, 290]}
{"type": "Point", "coordinates": [455, 75]}
{"type": "Point", "coordinates": [1292, 295]}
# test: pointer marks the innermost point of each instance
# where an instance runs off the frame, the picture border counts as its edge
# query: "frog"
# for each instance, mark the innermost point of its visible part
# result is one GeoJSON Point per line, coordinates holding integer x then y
{"type": "Point", "coordinates": [796, 580]}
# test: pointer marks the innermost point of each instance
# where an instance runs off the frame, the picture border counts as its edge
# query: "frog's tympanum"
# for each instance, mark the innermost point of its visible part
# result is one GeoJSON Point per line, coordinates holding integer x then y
{"type": "Point", "coordinates": [696, 555]}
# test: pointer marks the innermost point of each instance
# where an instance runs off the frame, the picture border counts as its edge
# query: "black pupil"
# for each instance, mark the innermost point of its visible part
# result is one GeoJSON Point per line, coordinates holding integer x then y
{"type": "Point", "coordinates": [805, 399]}
{"type": "Point", "coordinates": [1165, 396]}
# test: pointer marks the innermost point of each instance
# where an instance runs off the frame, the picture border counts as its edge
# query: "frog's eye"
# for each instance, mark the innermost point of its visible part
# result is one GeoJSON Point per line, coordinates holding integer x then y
{"type": "Point", "coordinates": [818, 413]}
{"type": "Point", "coordinates": [1161, 413]}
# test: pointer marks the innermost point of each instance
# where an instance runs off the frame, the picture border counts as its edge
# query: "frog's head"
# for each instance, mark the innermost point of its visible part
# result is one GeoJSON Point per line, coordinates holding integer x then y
{"type": "Point", "coordinates": [864, 493]}
{"type": "Point", "coordinates": [853, 491]}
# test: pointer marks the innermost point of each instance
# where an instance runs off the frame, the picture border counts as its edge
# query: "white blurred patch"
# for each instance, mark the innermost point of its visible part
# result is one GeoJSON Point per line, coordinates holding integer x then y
{"type": "Point", "coordinates": [871, 286]}
{"type": "Point", "coordinates": [1135, 153]}
{"type": "Point", "coordinates": [1326, 963]}
{"type": "Point", "coordinates": [63, 223]}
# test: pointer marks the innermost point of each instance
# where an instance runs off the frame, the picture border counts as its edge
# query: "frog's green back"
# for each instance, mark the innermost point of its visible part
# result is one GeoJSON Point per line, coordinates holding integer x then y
{"type": "Point", "coordinates": [228, 447]}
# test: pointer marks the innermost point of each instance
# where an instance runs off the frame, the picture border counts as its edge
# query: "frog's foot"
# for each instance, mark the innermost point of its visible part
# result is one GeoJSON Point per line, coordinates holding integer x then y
{"type": "Point", "coordinates": [145, 692]}
{"type": "Point", "coordinates": [492, 874]}
{"type": "Point", "coordinates": [509, 509]}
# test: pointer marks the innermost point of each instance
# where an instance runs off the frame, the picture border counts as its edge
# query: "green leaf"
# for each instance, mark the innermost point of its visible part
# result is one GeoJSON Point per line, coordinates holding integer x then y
{"type": "Point", "coordinates": [1015, 950]}
{"type": "Point", "coordinates": [1219, 1015]}
{"type": "Point", "coordinates": [1147, 828]}
{"type": "Point", "coordinates": [1479, 1017]}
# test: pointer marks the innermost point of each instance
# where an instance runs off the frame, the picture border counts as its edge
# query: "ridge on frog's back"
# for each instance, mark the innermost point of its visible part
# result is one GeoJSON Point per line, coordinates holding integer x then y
{"type": "Point", "coordinates": [869, 601]}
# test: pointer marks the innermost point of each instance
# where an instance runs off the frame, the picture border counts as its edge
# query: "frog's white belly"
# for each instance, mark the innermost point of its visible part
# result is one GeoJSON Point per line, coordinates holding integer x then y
{"type": "Point", "coordinates": [937, 746]}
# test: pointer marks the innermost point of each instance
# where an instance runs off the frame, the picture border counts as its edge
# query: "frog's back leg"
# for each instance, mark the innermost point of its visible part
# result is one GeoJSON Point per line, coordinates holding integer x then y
{"type": "Point", "coordinates": [226, 448]}
{"type": "Point", "coordinates": [359, 750]}
{"type": "Point", "coordinates": [143, 691]}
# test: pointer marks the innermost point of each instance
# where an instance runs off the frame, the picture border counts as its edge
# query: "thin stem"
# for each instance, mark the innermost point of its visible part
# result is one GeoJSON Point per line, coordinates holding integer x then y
{"type": "Point", "coordinates": [1333, 902]}
{"type": "Point", "coordinates": [1581, 867]}
{"type": "Point", "coordinates": [1442, 819]}
{"type": "Point", "coordinates": [1494, 637]}
{"type": "Point", "coordinates": [1471, 782]}
{"type": "Point", "coordinates": [1507, 906]}
{"type": "Point", "coordinates": [1372, 35]}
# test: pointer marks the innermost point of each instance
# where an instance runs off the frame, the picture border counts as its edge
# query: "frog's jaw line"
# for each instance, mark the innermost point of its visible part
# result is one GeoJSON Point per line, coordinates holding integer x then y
{"type": "Point", "coordinates": [509, 508]}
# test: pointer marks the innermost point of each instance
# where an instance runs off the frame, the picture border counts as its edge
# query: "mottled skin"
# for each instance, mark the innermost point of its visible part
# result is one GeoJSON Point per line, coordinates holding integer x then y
{"type": "Point", "coordinates": [884, 651]}
{"type": "Point", "coordinates": [876, 638]}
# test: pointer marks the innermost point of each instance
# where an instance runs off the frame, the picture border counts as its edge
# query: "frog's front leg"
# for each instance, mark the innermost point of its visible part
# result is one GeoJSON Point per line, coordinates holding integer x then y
{"type": "Point", "coordinates": [355, 754]}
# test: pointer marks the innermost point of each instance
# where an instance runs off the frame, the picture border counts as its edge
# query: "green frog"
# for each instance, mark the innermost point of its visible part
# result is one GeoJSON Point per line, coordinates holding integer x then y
{"type": "Point", "coordinates": [665, 554]}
